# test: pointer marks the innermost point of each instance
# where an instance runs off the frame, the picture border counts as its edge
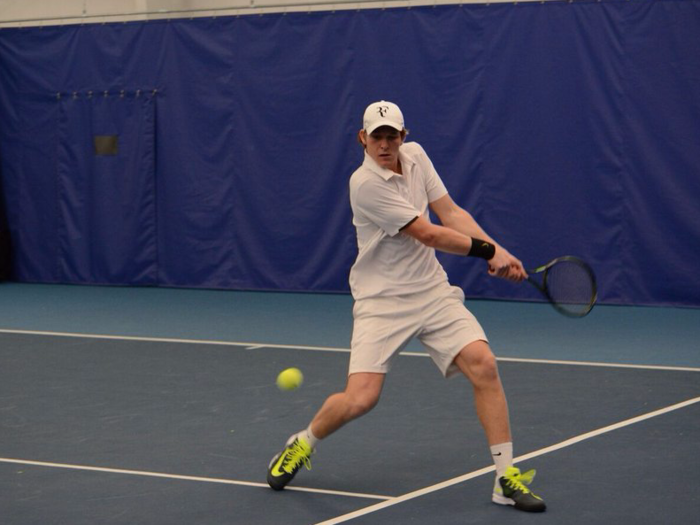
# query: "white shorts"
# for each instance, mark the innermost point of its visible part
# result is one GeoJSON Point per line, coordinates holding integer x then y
{"type": "Point", "coordinates": [385, 325]}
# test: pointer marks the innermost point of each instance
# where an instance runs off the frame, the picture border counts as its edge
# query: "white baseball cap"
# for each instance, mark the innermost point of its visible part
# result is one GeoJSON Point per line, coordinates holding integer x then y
{"type": "Point", "coordinates": [382, 113]}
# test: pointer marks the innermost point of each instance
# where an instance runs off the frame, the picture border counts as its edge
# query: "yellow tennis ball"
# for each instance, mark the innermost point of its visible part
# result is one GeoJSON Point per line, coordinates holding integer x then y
{"type": "Point", "coordinates": [290, 379]}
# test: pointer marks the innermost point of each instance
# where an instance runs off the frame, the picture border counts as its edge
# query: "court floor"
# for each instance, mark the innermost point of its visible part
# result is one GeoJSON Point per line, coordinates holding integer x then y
{"type": "Point", "coordinates": [158, 406]}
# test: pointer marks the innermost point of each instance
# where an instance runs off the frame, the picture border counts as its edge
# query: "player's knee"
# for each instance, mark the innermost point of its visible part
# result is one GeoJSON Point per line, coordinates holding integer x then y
{"type": "Point", "coordinates": [487, 368]}
{"type": "Point", "coordinates": [362, 393]}
{"type": "Point", "coordinates": [479, 365]}
{"type": "Point", "coordinates": [361, 404]}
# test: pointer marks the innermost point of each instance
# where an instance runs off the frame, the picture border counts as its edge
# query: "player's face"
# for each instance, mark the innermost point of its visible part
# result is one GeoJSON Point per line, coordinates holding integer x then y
{"type": "Point", "coordinates": [383, 146]}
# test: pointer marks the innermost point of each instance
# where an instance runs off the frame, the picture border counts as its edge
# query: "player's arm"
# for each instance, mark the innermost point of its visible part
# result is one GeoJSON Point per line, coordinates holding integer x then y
{"type": "Point", "coordinates": [438, 237]}
{"type": "Point", "coordinates": [460, 221]}
{"type": "Point", "coordinates": [451, 241]}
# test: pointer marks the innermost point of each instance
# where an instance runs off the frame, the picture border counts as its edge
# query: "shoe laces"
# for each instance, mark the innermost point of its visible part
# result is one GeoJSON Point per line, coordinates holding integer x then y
{"type": "Point", "coordinates": [299, 453]}
{"type": "Point", "coordinates": [517, 480]}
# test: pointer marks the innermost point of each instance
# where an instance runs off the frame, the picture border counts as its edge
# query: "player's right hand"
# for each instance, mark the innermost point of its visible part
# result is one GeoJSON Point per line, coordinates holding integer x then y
{"type": "Point", "coordinates": [505, 266]}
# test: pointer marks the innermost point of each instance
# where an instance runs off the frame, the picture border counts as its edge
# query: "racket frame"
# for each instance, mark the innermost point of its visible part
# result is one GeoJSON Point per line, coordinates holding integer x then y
{"type": "Point", "coordinates": [545, 291]}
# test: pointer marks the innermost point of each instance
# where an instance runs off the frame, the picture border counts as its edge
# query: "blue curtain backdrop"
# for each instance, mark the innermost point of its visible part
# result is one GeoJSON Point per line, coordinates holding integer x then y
{"type": "Point", "coordinates": [565, 128]}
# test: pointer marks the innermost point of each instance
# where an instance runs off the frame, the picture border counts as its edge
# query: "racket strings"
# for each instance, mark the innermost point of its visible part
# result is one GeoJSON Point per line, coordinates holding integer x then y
{"type": "Point", "coordinates": [571, 287]}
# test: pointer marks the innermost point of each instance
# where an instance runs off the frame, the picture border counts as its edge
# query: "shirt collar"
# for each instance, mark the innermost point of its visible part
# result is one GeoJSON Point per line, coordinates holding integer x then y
{"type": "Point", "coordinates": [386, 174]}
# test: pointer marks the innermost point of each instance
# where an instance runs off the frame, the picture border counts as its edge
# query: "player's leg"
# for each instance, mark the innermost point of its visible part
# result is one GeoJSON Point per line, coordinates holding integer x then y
{"type": "Point", "coordinates": [478, 364]}
{"type": "Point", "coordinates": [361, 394]}
{"type": "Point", "coordinates": [381, 328]}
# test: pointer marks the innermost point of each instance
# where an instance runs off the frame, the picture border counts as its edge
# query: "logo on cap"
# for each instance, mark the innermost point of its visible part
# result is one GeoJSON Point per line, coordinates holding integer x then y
{"type": "Point", "coordinates": [383, 110]}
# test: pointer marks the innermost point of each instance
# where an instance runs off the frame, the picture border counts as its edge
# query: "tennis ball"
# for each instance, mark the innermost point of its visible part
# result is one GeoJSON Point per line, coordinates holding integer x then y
{"type": "Point", "coordinates": [290, 379]}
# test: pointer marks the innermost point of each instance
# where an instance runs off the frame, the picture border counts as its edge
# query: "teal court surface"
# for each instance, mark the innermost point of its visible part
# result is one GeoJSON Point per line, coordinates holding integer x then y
{"type": "Point", "coordinates": [159, 406]}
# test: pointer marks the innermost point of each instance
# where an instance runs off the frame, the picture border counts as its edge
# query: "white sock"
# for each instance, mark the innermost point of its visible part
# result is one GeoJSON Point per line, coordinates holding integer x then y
{"type": "Point", "coordinates": [503, 457]}
{"type": "Point", "coordinates": [307, 436]}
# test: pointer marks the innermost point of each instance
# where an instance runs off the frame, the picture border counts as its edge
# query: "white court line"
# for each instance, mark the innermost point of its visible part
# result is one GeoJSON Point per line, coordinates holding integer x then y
{"type": "Point", "coordinates": [601, 364]}
{"type": "Point", "coordinates": [579, 363]}
{"type": "Point", "coordinates": [173, 340]}
{"type": "Point", "coordinates": [252, 346]}
{"type": "Point", "coordinates": [187, 478]}
{"type": "Point", "coordinates": [454, 481]}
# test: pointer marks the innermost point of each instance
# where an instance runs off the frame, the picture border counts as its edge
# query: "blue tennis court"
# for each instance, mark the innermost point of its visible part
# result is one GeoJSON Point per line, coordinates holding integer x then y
{"type": "Point", "coordinates": [126, 405]}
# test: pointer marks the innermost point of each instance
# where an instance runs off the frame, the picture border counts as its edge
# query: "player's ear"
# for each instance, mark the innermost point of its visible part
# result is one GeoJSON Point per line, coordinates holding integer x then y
{"type": "Point", "coordinates": [362, 138]}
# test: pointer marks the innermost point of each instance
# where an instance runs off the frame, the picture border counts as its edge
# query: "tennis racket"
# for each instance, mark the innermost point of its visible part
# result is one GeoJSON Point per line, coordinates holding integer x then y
{"type": "Point", "coordinates": [568, 283]}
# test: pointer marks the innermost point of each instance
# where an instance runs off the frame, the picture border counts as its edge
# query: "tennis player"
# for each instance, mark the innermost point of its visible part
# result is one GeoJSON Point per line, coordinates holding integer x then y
{"type": "Point", "coordinates": [401, 291]}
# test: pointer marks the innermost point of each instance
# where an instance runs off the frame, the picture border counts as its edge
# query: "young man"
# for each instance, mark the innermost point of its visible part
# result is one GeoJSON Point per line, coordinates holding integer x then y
{"type": "Point", "coordinates": [401, 291]}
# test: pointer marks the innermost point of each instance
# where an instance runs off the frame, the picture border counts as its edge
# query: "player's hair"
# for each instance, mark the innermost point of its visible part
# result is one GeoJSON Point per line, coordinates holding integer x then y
{"type": "Point", "coordinates": [404, 132]}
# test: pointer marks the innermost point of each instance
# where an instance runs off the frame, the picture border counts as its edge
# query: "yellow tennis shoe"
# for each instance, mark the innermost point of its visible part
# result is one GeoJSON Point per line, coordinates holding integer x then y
{"type": "Point", "coordinates": [287, 463]}
{"type": "Point", "coordinates": [511, 489]}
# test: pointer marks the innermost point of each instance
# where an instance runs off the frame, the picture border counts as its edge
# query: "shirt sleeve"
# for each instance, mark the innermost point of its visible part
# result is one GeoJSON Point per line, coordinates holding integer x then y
{"type": "Point", "coordinates": [379, 201]}
{"type": "Point", "coordinates": [434, 186]}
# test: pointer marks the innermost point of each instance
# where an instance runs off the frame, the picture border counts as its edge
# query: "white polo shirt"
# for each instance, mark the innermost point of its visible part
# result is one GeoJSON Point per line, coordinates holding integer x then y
{"type": "Point", "coordinates": [389, 262]}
